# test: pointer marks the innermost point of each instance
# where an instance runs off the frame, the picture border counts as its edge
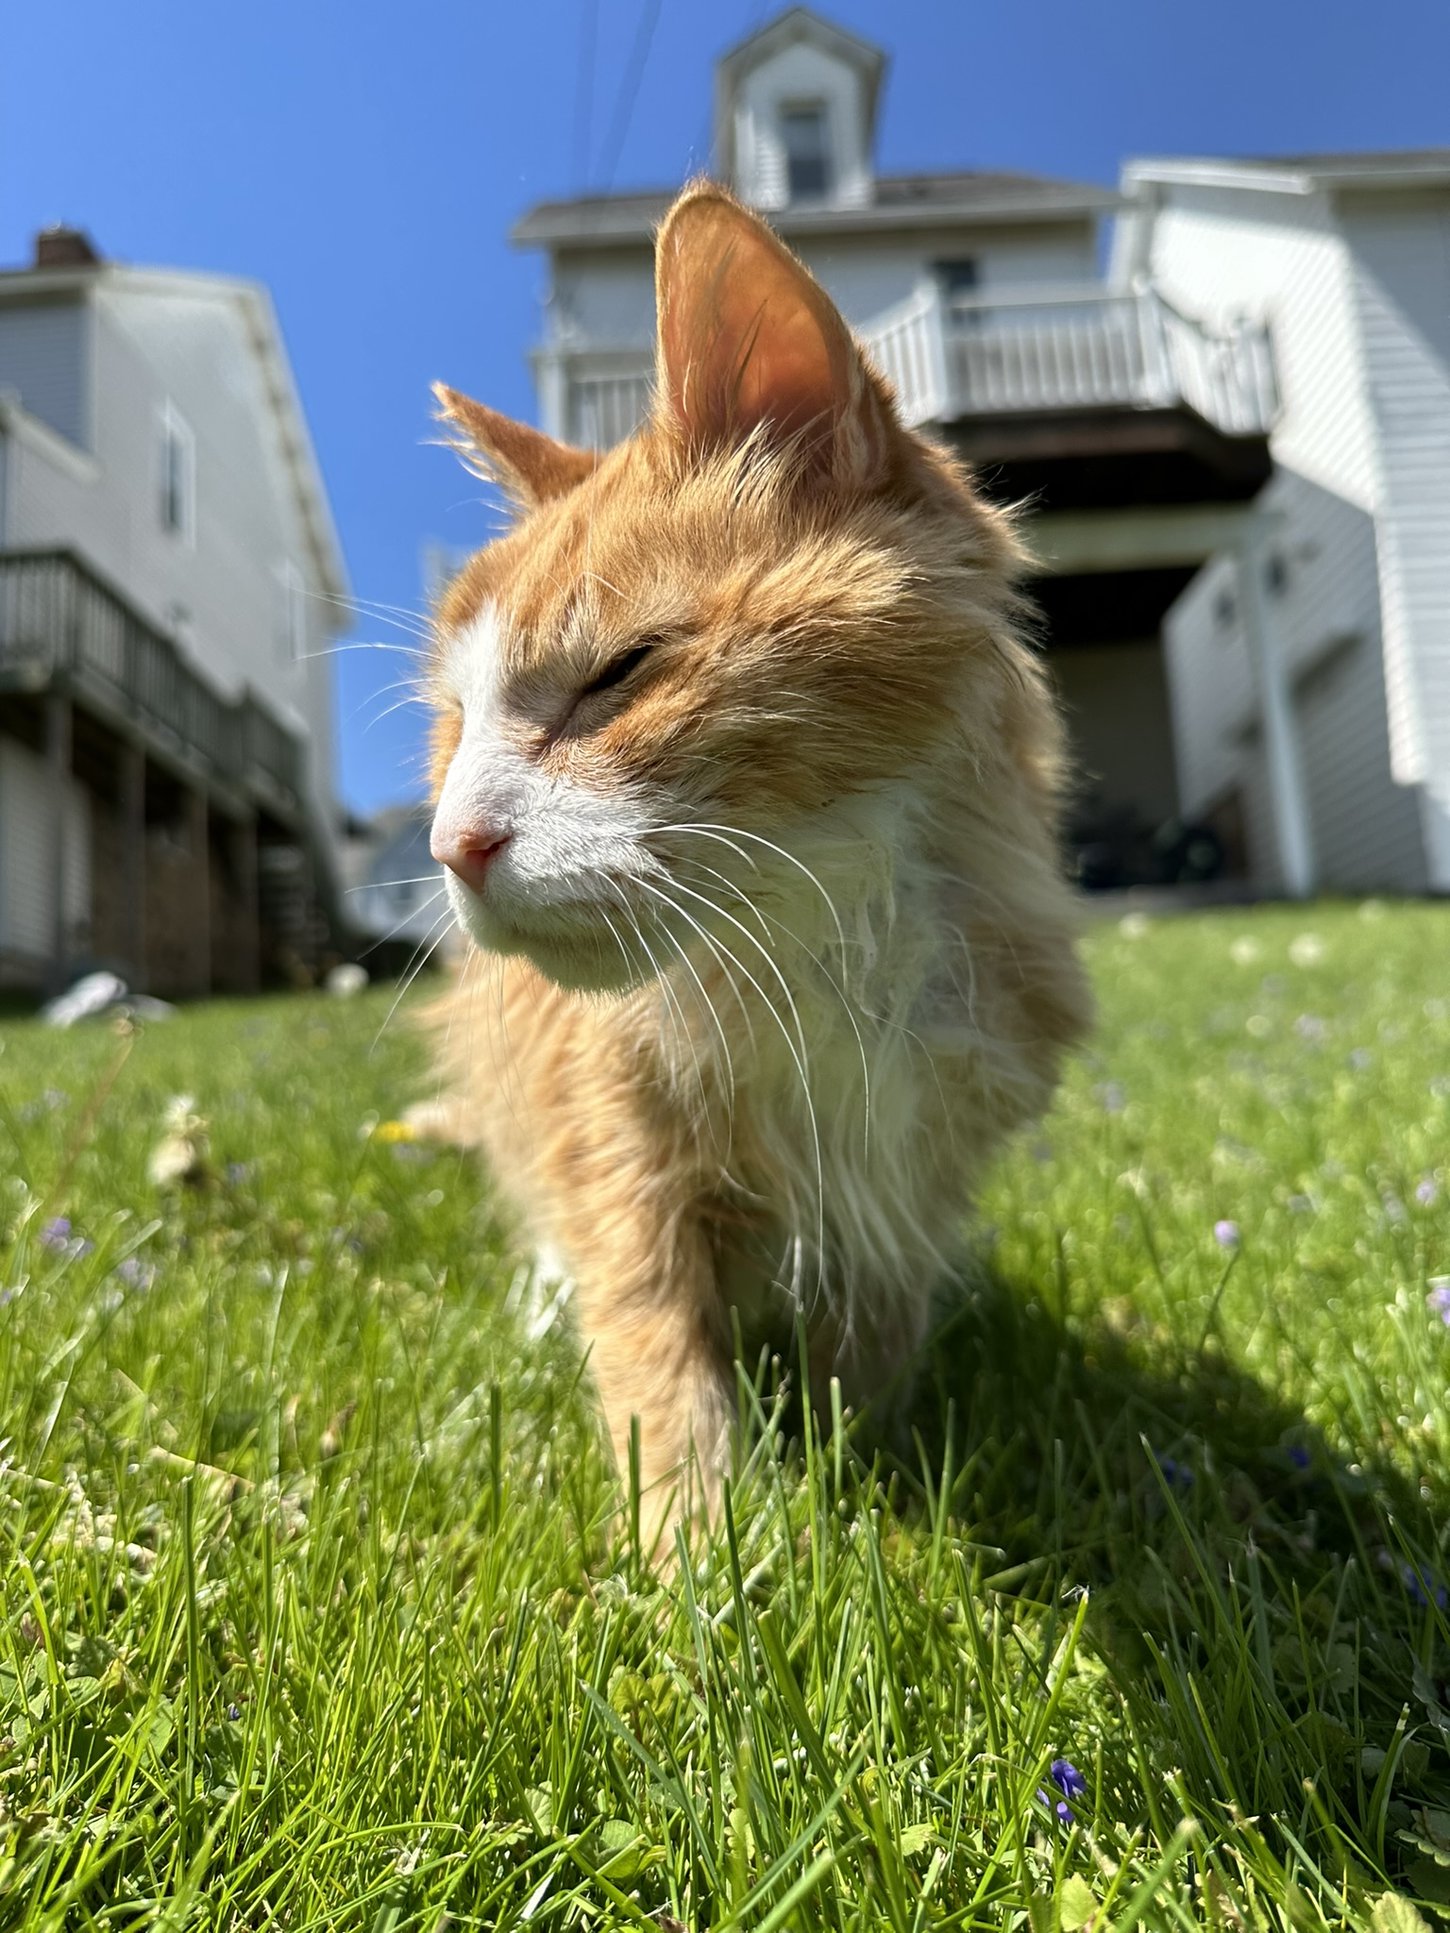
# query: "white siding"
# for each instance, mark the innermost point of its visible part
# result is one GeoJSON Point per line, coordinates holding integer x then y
{"type": "Point", "coordinates": [27, 872]}
{"type": "Point", "coordinates": [219, 591]}
{"type": "Point", "coordinates": [798, 74]}
{"type": "Point", "coordinates": [45, 358]}
{"type": "Point", "coordinates": [866, 275]}
{"type": "Point", "coordinates": [604, 298]}
{"type": "Point", "coordinates": [1401, 252]}
{"type": "Point", "coordinates": [1365, 826]}
{"type": "Point", "coordinates": [1366, 829]}
{"type": "Point", "coordinates": [1220, 252]}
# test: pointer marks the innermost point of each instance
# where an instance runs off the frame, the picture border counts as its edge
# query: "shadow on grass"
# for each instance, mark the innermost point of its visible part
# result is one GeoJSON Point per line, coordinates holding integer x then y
{"type": "Point", "coordinates": [1274, 1614]}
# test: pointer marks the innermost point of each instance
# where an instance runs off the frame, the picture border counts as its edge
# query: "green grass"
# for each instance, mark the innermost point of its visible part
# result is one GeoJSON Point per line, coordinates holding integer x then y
{"type": "Point", "coordinates": [317, 1609]}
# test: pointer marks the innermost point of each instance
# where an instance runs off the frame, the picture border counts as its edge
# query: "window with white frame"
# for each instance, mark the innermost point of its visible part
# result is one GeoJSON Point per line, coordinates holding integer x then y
{"type": "Point", "coordinates": [177, 480]}
{"type": "Point", "coordinates": [805, 134]}
{"type": "Point", "coordinates": [291, 613]}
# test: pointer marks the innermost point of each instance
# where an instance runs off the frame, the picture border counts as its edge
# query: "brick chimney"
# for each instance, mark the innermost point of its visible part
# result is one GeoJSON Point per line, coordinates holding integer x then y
{"type": "Point", "coordinates": [62, 247]}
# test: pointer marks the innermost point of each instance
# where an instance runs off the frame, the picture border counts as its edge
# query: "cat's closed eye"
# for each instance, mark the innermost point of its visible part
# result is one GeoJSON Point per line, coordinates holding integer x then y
{"type": "Point", "coordinates": [620, 668]}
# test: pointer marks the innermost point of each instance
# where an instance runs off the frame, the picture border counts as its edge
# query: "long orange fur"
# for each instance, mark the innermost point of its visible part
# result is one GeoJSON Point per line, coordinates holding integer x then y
{"type": "Point", "coordinates": [760, 1065]}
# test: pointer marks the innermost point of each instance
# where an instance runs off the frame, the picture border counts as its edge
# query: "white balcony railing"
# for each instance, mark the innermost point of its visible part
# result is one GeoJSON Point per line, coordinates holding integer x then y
{"type": "Point", "coordinates": [966, 356]}
{"type": "Point", "coordinates": [950, 357]}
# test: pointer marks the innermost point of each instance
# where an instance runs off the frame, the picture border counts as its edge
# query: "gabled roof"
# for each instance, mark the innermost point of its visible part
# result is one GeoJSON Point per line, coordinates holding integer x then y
{"type": "Point", "coordinates": [802, 23]}
{"type": "Point", "coordinates": [264, 338]}
{"type": "Point", "coordinates": [1296, 174]}
{"type": "Point", "coordinates": [898, 201]}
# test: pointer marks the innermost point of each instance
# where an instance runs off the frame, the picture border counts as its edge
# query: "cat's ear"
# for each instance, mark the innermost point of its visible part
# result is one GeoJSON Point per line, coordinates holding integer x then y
{"type": "Point", "coordinates": [531, 467]}
{"type": "Point", "coordinates": [749, 338]}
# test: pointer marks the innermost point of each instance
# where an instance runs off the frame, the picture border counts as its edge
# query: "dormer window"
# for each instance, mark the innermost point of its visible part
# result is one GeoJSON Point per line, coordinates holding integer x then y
{"type": "Point", "coordinates": [805, 134]}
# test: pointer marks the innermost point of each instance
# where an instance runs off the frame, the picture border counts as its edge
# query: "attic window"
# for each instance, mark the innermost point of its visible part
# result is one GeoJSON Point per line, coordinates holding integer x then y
{"type": "Point", "coordinates": [805, 135]}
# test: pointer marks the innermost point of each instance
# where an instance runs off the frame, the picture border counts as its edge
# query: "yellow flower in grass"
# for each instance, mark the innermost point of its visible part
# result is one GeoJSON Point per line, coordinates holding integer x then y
{"type": "Point", "coordinates": [395, 1131]}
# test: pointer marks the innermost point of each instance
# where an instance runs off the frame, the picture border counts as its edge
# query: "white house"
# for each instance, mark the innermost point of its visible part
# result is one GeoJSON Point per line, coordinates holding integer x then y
{"type": "Point", "coordinates": [1348, 256]}
{"type": "Point", "coordinates": [1136, 424]}
{"type": "Point", "coordinates": [169, 578]}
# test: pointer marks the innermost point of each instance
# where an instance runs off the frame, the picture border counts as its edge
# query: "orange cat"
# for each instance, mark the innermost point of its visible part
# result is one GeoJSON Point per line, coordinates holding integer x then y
{"type": "Point", "coordinates": [746, 787]}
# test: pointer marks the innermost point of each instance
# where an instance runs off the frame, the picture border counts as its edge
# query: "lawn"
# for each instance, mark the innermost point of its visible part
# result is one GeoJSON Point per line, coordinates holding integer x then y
{"type": "Point", "coordinates": [317, 1609]}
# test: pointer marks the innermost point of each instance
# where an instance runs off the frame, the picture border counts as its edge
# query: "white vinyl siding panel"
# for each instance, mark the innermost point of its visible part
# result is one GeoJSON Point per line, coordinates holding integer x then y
{"type": "Point", "coordinates": [1366, 828]}
{"type": "Point", "coordinates": [604, 298]}
{"type": "Point", "coordinates": [1401, 253]}
{"type": "Point", "coordinates": [801, 76]}
{"type": "Point", "coordinates": [217, 591]}
{"type": "Point", "coordinates": [1221, 253]}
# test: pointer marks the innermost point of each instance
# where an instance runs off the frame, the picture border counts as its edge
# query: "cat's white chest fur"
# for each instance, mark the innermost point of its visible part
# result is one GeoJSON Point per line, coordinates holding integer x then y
{"type": "Point", "coordinates": [829, 1109]}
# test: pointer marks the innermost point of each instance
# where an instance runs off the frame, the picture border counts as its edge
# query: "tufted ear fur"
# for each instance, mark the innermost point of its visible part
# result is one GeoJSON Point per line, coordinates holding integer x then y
{"type": "Point", "coordinates": [531, 467]}
{"type": "Point", "coordinates": [749, 340]}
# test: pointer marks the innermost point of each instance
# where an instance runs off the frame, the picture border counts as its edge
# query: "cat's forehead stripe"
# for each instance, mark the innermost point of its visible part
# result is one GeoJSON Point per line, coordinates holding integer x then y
{"type": "Point", "coordinates": [471, 659]}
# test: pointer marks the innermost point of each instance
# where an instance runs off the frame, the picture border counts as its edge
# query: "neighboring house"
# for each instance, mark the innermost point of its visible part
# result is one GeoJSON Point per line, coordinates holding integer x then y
{"type": "Point", "coordinates": [169, 582]}
{"type": "Point", "coordinates": [1138, 432]}
{"type": "Point", "coordinates": [395, 891]}
{"type": "Point", "coordinates": [1348, 255]}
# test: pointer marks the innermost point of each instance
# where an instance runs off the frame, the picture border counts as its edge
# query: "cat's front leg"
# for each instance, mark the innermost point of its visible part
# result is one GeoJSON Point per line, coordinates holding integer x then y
{"type": "Point", "coordinates": [658, 1349]}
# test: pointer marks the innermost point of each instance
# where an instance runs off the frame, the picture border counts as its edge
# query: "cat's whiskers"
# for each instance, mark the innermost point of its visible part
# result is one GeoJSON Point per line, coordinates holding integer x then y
{"type": "Point", "coordinates": [836, 984]}
{"type": "Point", "coordinates": [705, 828]}
{"type": "Point", "coordinates": [799, 1057]}
{"type": "Point", "coordinates": [427, 947]}
{"type": "Point", "coordinates": [766, 955]}
{"type": "Point", "coordinates": [368, 884]}
{"type": "Point", "coordinates": [401, 615]}
{"type": "Point", "coordinates": [414, 698]}
{"type": "Point", "coordinates": [393, 931]}
{"type": "Point", "coordinates": [679, 1024]}
{"type": "Point", "coordinates": [362, 644]}
{"type": "Point", "coordinates": [688, 964]}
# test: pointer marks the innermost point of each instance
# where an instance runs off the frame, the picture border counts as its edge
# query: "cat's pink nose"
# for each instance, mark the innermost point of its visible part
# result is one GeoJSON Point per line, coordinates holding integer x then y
{"type": "Point", "coordinates": [468, 850]}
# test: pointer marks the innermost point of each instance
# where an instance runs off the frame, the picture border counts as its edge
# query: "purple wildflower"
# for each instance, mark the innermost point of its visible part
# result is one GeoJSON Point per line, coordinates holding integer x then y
{"type": "Point", "coordinates": [1062, 1808]}
{"type": "Point", "coordinates": [1226, 1234]}
{"type": "Point", "coordinates": [1426, 1192]}
{"type": "Point", "coordinates": [1178, 1476]}
{"type": "Point", "coordinates": [1438, 1300]}
{"type": "Point", "coordinates": [135, 1273]}
{"type": "Point", "coordinates": [1424, 1588]}
{"type": "Point", "coordinates": [1066, 1777]}
{"type": "Point", "coordinates": [1299, 1456]}
{"type": "Point", "coordinates": [234, 1712]}
{"type": "Point", "coordinates": [56, 1234]}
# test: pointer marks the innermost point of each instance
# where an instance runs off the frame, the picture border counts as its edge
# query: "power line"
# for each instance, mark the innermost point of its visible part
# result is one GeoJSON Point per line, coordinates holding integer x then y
{"type": "Point", "coordinates": [584, 88]}
{"type": "Point", "coordinates": [629, 90]}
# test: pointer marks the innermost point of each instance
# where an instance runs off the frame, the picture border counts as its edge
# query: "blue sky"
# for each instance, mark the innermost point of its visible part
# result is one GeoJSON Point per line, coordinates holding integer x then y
{"type": "Point", "coordinates": [366, 160]}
